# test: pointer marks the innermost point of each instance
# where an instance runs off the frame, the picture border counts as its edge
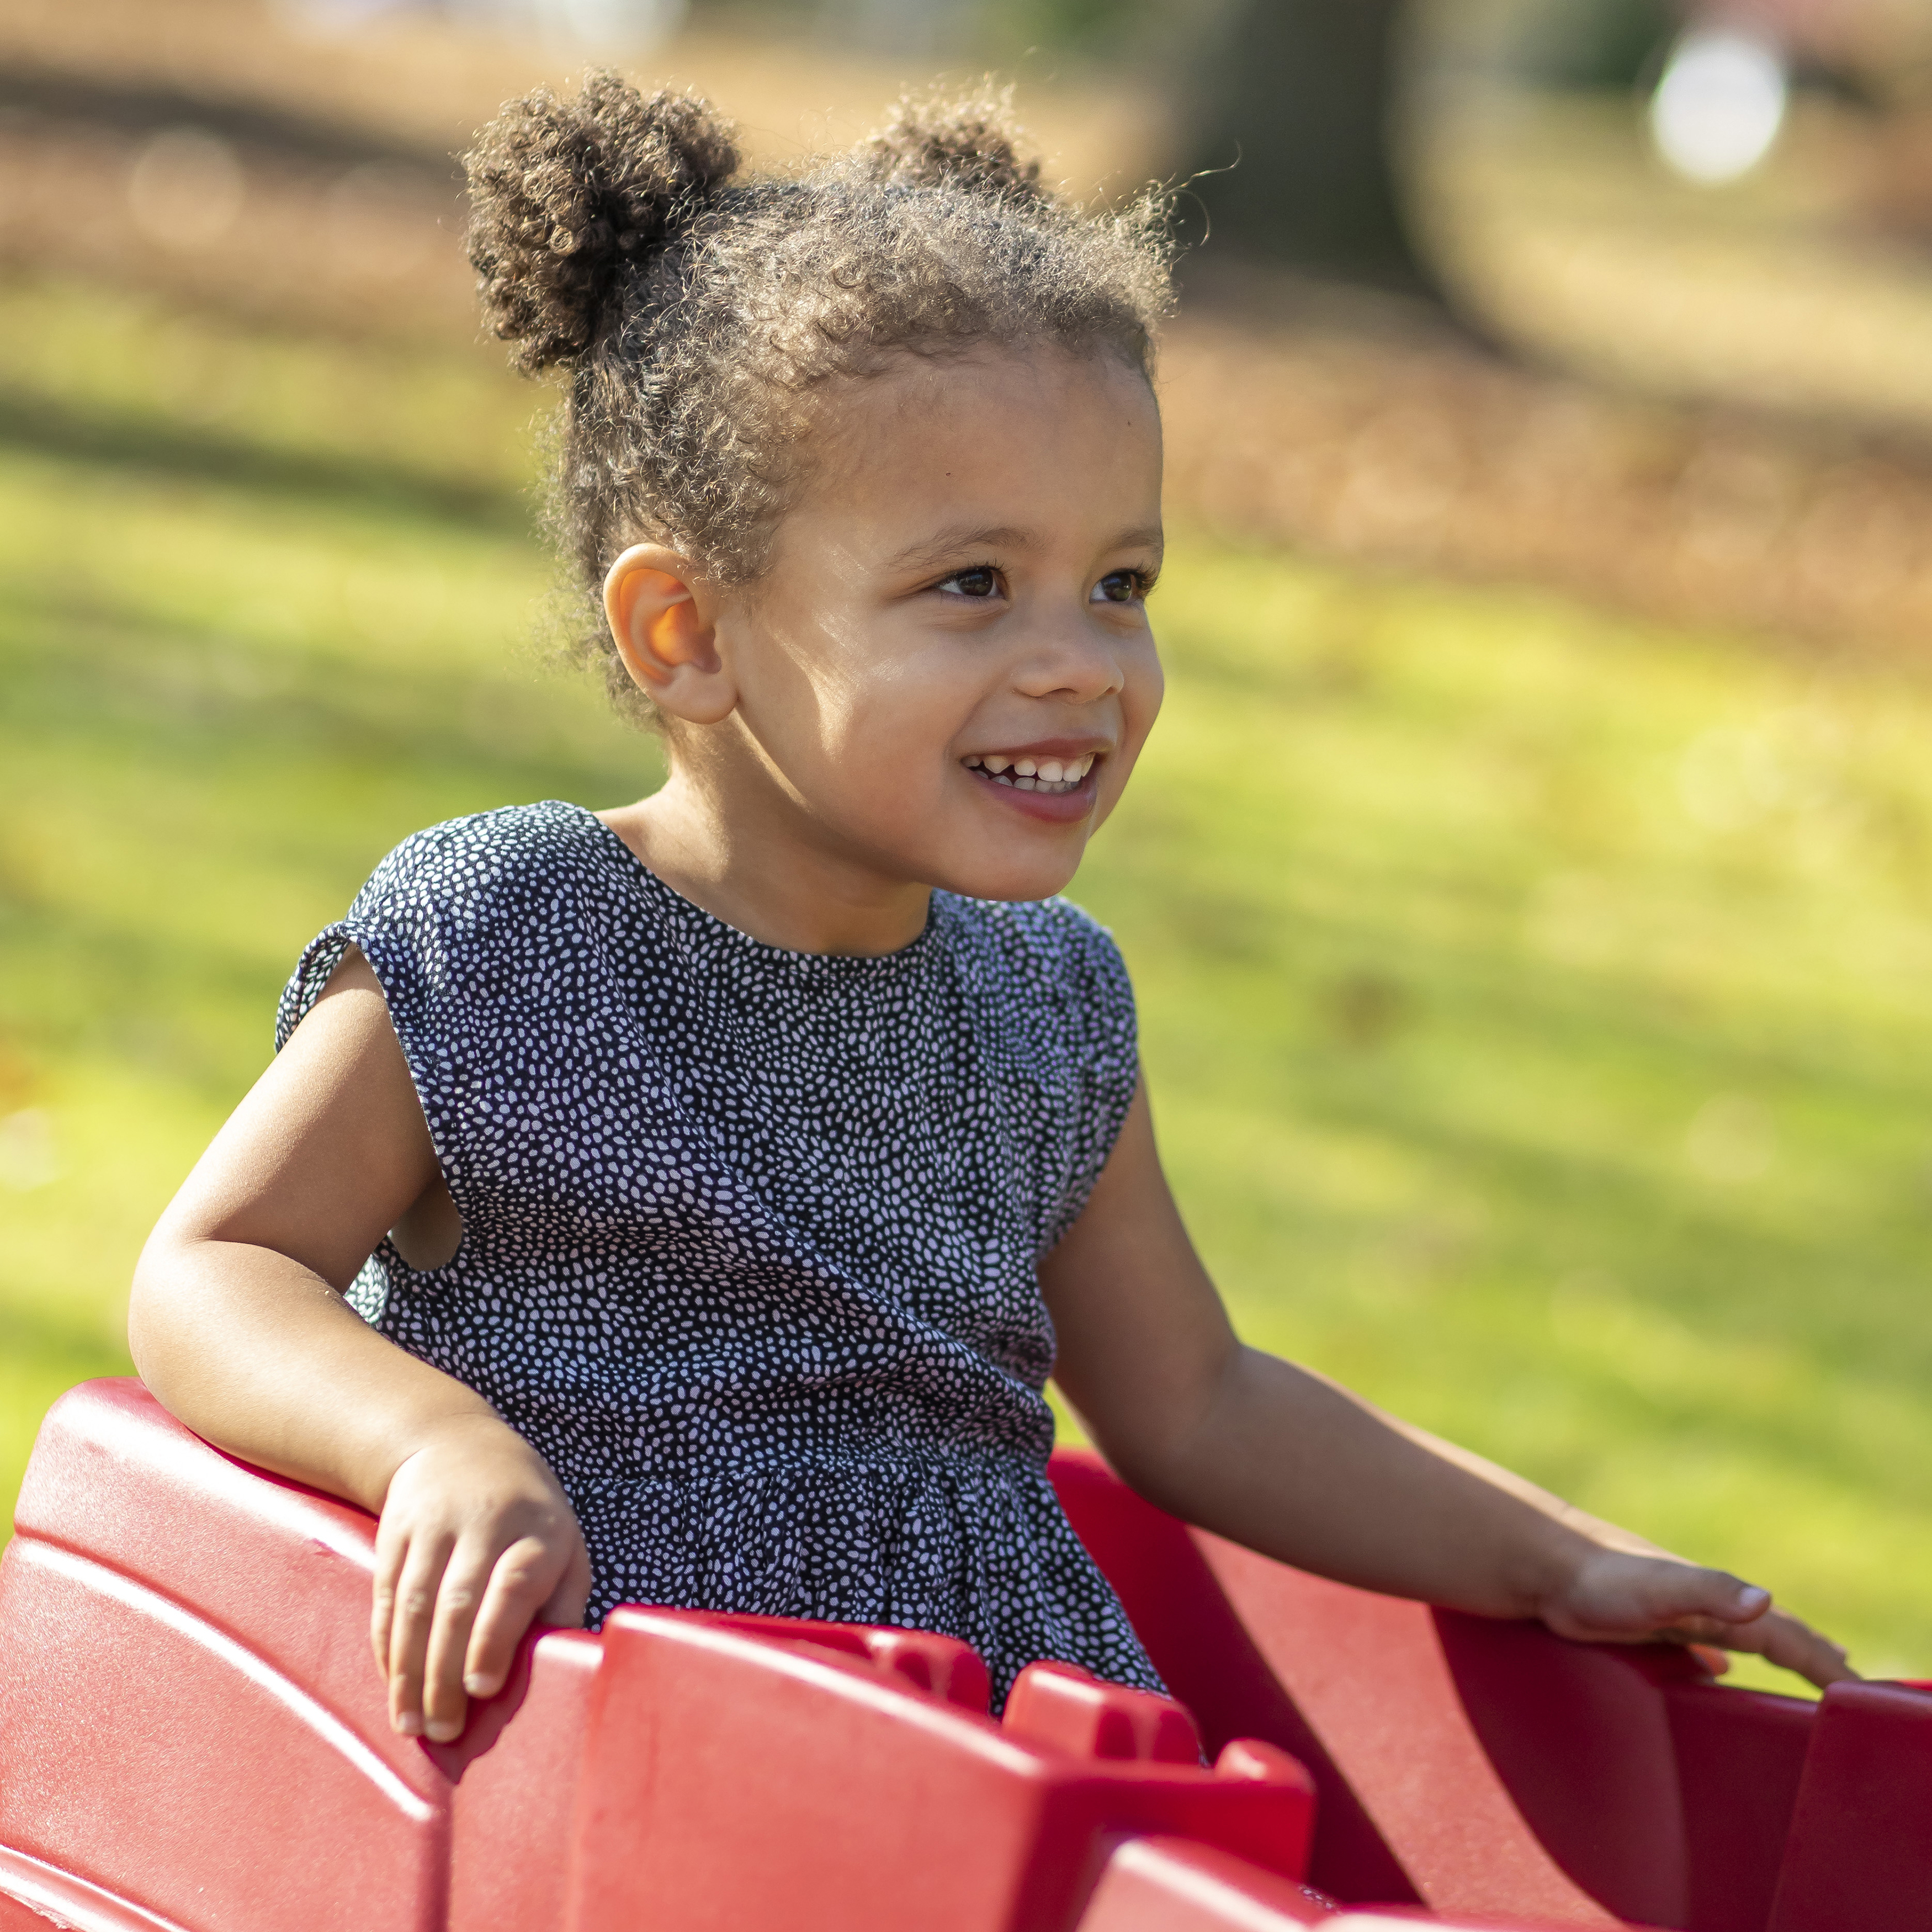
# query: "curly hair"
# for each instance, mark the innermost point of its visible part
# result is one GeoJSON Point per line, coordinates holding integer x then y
{"type": "Point", "coordinates": [697, 314]}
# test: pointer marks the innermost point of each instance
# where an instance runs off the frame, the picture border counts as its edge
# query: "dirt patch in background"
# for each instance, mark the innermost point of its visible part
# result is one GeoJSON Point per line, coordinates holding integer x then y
{"type": "Point", "coordinates": [209, 151]}
{"type": "Point", "coordinates": [1405, 445]}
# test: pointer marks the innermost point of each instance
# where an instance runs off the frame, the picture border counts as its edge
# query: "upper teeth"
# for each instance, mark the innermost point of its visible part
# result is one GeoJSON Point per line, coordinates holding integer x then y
{"type": "Point", "coordinates": [1033, 774]}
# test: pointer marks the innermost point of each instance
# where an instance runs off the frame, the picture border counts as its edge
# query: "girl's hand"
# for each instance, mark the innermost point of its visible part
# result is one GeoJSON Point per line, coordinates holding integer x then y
{"type": "Point", "coordinates": [1615, 1596]}
{"type": "Point", "coordinates": [477, 1541]}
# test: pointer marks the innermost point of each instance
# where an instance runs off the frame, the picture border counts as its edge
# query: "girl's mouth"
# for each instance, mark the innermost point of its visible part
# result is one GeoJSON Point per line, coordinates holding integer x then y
{"type": "Point", "coordinates": [1054, 776]}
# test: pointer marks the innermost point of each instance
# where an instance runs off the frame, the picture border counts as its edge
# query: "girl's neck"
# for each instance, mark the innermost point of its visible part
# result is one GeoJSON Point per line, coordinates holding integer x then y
{"type": "Point", "coordinates": [767, 881]}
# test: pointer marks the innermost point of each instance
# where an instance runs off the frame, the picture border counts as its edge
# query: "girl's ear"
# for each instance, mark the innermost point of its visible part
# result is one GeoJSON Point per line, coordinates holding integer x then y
{"type": "Point", "coordinates": [660, 615]}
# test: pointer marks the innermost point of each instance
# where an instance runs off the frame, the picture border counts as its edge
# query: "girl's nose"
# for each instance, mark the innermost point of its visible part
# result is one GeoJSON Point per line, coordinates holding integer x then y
{"type": "Point", "coordinates": [1071, 662]}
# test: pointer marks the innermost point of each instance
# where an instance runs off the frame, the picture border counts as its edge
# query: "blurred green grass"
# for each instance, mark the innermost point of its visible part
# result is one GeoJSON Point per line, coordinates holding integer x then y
{"type": "Point", "coordinates": [1533, 1001]}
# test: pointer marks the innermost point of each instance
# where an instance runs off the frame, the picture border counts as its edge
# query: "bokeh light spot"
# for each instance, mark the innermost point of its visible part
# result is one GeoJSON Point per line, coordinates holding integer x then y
{"type": "Point", "coordinates": [1718, 110]}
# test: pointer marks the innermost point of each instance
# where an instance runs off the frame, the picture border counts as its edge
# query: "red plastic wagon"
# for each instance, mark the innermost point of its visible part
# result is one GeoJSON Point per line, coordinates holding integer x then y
{"type": "Point", "coordinates": [192, 1739]}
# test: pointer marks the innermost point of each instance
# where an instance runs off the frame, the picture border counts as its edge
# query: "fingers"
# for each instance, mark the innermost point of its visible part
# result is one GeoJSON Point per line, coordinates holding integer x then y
{"type": "Point", "coordinates": [1703, 1603]}
{"type": "Point", "coordinates": [1709, 1606]}
{"type": "Point", "coordinates": [476, 1539]}
{"type": "Point", "coordinates": [1811, 1653]}
{"type": "Point", "coordinates": [392, 1545]}
{"type": "Point", "coordinates": [459, 1601]}
{"type": "Point", "coordinates": [525, 1578]}
{"type": "Point", "coordinates": [454, 1617]}
{"type": "Point", "coordinates": [412, 1620]}
{"type": "Point", "coordinates": [572, 1597]}
{"type": "Point", "coordinates": [1794, 1646]}
{"type": "Point", "coordinates": [1617, 1597]}
{"type": "Point", "coordinates": [1624, 1598]}
{"type": "Point", "coordinates": [1720, 1608]}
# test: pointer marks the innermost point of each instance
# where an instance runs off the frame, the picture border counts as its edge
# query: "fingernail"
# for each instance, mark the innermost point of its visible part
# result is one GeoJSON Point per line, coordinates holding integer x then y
{"type": "Point", "coordinates": [442, 1732]}
{"type": "Point", "coordinates": [1751, 1598]}
{"type": "Point", "coordinates": [478, 1685]}
{"type": "Point", "coordinates": [410, 1724]}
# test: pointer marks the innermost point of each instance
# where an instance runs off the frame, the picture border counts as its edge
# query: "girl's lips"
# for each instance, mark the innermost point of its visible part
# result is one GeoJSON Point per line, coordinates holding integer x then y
{"type": "Point", "coordinates": [1055, 808]}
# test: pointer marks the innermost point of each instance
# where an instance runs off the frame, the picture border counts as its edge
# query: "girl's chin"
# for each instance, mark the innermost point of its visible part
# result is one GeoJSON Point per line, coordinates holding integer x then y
{"type": "Point", "coordinates": [1034, 859]}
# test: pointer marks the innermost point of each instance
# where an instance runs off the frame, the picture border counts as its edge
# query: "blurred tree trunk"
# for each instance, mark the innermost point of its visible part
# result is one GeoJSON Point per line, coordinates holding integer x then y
{"type": "Point", "coordinates": [1304, 92]}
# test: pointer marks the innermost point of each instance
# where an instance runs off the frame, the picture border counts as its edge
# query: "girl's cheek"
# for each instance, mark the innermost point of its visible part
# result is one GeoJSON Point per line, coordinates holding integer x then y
{"type": "Point", "coordinates": [1146, 689]}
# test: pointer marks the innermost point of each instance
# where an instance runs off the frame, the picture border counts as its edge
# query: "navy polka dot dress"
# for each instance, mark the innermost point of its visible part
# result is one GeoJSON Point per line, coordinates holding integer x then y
{"type": "Point", "coordinates": [750, 1235]}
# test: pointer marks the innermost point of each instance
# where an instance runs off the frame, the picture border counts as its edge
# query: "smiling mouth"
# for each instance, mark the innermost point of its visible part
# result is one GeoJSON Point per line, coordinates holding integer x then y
{"type": "Point", "coordinates": [1046, 775]}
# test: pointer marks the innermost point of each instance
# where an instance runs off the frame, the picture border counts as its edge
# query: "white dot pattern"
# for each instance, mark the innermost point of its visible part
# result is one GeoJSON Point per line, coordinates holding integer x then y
{"type": "Point", "coordinates": [750, 1236]}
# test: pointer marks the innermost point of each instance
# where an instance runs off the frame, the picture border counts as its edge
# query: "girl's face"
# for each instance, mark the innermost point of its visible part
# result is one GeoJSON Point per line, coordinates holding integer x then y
{"type": "Point", "coordinates": [946, 674]}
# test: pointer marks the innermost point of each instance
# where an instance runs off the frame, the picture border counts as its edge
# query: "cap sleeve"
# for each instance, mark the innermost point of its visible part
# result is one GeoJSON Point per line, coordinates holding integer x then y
{"type": "Point", "coordinates": [416, 930]}
{"type": "Point", "coordinates": [1098, 999]}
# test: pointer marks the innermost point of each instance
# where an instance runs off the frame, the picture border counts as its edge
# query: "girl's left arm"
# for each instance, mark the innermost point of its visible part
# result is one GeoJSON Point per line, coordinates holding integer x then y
{"type": "Point", "coordinates": [1283, 1460]}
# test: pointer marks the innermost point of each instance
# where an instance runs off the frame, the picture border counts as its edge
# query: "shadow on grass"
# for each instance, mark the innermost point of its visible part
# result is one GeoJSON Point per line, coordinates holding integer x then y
{"type": "Point", "coordinates": [208, 455]}
{"type": "Point", "coordinates": [121, 107]}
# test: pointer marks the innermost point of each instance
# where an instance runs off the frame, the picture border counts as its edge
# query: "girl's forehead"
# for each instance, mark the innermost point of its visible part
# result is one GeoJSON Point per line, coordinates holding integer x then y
{"type": "Point", "coordinates": [909, 381]}
{"type": "Point", "coordinates": [1048, 443]}
{"type": "Point", "coordinates": [993, 403]}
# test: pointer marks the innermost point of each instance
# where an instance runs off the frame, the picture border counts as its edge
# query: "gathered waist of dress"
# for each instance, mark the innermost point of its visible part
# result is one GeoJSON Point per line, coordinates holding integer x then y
{"type": "Point", "coordinates": [951, 1464]}
{"type": "Point", "coordinates": [961, 1543]}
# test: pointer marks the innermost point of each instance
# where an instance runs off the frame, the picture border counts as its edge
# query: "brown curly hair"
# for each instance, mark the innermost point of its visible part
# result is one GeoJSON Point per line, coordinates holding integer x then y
{"type": "Point", "coordinates": [696, 313]}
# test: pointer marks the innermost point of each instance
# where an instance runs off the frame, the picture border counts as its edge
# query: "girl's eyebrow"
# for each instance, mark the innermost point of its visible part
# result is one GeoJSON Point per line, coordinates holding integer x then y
{"type": "Point", "coordinates": [949, 544]}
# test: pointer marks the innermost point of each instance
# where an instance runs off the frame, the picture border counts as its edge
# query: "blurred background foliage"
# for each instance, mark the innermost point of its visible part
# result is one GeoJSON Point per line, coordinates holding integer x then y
{"type": "Point", "coordinates": [1528, 886]}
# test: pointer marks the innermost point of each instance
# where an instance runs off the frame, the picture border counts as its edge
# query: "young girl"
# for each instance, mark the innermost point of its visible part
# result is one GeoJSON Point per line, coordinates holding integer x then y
{"type": "Point", "coordinates": [687, 1203]}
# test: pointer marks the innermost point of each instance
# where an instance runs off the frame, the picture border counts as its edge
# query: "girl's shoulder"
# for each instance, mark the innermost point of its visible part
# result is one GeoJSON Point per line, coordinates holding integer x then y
{"type": "Point", "coordinates": [471, 871]}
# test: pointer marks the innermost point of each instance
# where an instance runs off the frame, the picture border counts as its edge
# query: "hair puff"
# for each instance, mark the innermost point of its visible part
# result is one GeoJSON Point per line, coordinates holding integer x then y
{"type": "Point", "coordinates": [568, 199]}
{"type": "Point", "coordinates": [974, 143]}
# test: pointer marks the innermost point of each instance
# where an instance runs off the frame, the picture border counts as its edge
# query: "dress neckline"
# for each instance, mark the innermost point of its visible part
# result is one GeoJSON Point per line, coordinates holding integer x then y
{"type": "Point", "coordinates": [725, 933]}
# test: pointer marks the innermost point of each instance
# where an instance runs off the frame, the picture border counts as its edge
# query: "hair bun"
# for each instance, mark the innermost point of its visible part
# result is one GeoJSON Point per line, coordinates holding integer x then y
{"type": "Point", "coordinates": [971, 141]}
{"type": "Point", "coordinates": [568, 197]}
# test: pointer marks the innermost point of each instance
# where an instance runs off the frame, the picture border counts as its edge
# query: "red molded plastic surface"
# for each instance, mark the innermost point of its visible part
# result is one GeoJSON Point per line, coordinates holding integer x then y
{"type": "Point", "coordinates": [1579, 1737]}
{"type": "Point", "coordinates": [192, 1733]}
{"type": "Point", "coordinates": [188, 1715]}
{"type": "Point", "coordinates": [1061, 1705]}
{"type": "Point", "coordinates": [515, 1776]}
{"type": "Point", "coordinates": [1860, 1857]}
{"type": "Point", "coordinates": [942, 1666]}
{"type": "Point", "coordinates": [875, 1808]}
{"type": "Point", "coordinates": [1212, 1666]}
{"type": "Point", "coordinates": [1168, 1885]}
{"type": "Point", "coordinates": [1481, 1767]}
{"type": "Point", "coordinates": [192, 1739]}
{"type": "Point", "coordinates": [1740, 1754]}
{"type": "Point", "coordinates": [33, 1895]}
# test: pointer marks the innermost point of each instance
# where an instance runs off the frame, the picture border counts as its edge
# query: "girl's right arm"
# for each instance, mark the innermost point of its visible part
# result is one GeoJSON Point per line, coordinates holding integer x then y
{"type": "Point", "coordinates": [238, 1325]}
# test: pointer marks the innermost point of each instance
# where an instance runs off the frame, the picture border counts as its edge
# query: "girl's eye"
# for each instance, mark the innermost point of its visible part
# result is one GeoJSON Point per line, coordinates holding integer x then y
{"type": "Point", "coordinates": [982, 581]}
{"type": "Point", "coordinates": [1122, 586]}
